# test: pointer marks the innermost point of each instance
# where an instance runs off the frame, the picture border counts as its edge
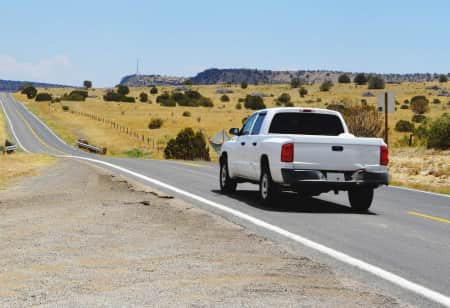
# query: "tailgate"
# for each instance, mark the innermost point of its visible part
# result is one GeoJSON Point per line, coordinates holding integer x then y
{"type": "Point", "coordinates": [336, 153]}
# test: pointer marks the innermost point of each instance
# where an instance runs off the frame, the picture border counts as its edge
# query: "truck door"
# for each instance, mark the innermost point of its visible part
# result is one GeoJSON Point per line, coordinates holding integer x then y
{"type": "Point", "coordinates": [243, 147]}
{"type": "Point", "coordinates": [254, 155]}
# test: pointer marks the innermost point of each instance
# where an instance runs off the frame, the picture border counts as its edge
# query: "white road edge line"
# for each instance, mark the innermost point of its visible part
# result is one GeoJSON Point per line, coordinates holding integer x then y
{"type": "Point", "coordinates": [12, 128]}
{"type": "Point", "coordinates": [419, 191]}
{"type": "Point", "coordinates": [377, 271]}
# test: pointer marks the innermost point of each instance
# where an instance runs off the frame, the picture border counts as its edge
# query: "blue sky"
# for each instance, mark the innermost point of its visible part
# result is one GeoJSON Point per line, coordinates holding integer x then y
{"type": "Point", "coordinates": [67, 42]}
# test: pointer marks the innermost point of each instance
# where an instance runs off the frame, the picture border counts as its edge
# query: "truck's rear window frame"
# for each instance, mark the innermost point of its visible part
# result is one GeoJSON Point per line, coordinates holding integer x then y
{"type": "Point", "coordinates": [333, 127]}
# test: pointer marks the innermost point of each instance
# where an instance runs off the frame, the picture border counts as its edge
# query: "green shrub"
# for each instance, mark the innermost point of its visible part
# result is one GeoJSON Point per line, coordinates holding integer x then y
{"type": "Point", "coordinates": [224, 98]}
{"type": "Point", "coordinates": [155, 123]}
{"type": "Point", "coordinates": [186, 114]}
{"type": "Point", "coordinates": [153, 90]}
{"type": "Point", "coordinates": [87, 84]}
{"type": "Point", "coordinates": [404, 107]}
{"type": "Point", "coordinates": [418, 118]}
{"type": "Point", "coordinates": [363, 121]}
{"type": "Point", "coordinates": [112, 96]}
{"type": "Point", "coordinates": [244, 85]}
{"type": "Point", "coordinates": [303, 91]}
{"type": "Point", "coordinates": [376, 82]}
{"type": "Point", "coordinates": [406, 101]}
{"type": "Point", "coordinates": [143, 97]}
{"type": "Point", "coordinates": [29, 91]}
{"type": "Point", "coordinates": [76, 95]}
{"type": "Point", "coordinates": [128, 99]}
{"type": "Point", "coordinates": [443, 78]}
{"type": "Point", "coordinates": [43, 97]}
{"type": "Point", "coordinates": [134, 153]}
{"type": "Point", "coordinates": [419, 104]}
{"type": "Point", "coordinates": [166, 100]}
{"type": "Point", "coordinates": [254, 102]}
{"type": "Point", "coordinates": [360, 79]}
{"type": "Point", "coordinates": [65, 108]}
{"type": "Point", "coordinates": [295, 83]}
{"type": "Point", "coordinates": [326, 86]}
{"type": "Point", "coordinates": [283, 99]}
{"type": "Point", "coordinates": [239, 106]}
{"type": "Point", "coordinates": [123, 90]}
{"type": "Point", "coordinates": [436, 101]}
{"type": "Point", "coordinates": [437, 133]}
{"type": "Point", "coordinates": [404, 126]}
{"type": "Point", "coordinates": [188, 146]}
{"type": "Point", "coordinates": [344, 78]}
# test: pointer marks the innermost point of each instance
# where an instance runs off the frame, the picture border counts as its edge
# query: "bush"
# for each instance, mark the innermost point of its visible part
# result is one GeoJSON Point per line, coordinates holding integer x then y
{"type": "Point", "coordinates": [189, 98]}
{"type": "Point", "coordinates": [295, 83]}
{"type": "Point", "coordinates": [443, 78]}
{"type": "Point", "coordinates": [166, 100]}
{"type": "Point", "coordinates": [376, 82]}
{"type": "Point", "coordinates": [65, 108]}
{"type": "Point", "coordinates": [244, 85]}
{"type": "Point", "coordinates": [419, 104]}
{"type": "Point", "coordinates": [404, 126]}
{"type": "Point", "coordinates": [186, 114]}
{"type": "Point", "coordinates": [76, 95]}
{"type": "Point", "coordinates": [436, 101]}
{"type": "Point", "coordinates": [326, 86]}
{"type": "Point", "coordinates": [29, 91]}
{"type": "Point", "coordinates": [406, 101]}
{"type": "Point", "coordinates": [336, 107]}
{"type": "Point", "coordinates": [363, 121]}
{"type": "Point", "coordinates": [134, 153]}
{"type": "Point", "coordinates": [143, 97]}
{"type": "Point", "coordinates": [404, 107]}
{"type": "Point", "coordinates": [43, 97]}
{"type": "Point", "coordinates": [188, 82]}
{"type": "Point", "coordinates": [188, 146]}
{"type": "Point", "coordinates": [284, 99]}
{"type": "Point", "coordinates": [254, 102]}
{"type": "Point", "coordinates": [418, 118]}
{"type": "Point", "coordinates": [153, 90]}
{"type": "Point", "coordinates": [438, 133]}
{"type": "Point", "coordinates": [303, 91]}
{"type": "Point", "coordinates": [224, 98]}
{"type": "Point", "coordinates": [360, 79]}
{"type": "Point", "coordinates": [239, 106]}
{"type": "Point", "coordinates": [155, 123]}
{"type": "Point", "coordinates": [128, 99]}
{"type": "Point", "coordinates": [87, 84]}
{"type": "Point", "coordinates": [123, 90]}
{"type": "Point", "coordinates": [344, 78]}
{"type": "Point", "coordinates": [112, 96]}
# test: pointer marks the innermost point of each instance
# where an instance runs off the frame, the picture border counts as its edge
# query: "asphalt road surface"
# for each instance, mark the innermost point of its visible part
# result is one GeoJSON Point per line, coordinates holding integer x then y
{"type": "Point", "coordinates": [406, 232]}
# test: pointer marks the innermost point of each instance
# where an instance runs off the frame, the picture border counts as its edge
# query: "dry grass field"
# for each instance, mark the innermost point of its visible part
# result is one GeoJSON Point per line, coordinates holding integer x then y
{"type": "Point", "coordinates": [224, 115]}
{"type": "Point", "coordinates": [19, 164]}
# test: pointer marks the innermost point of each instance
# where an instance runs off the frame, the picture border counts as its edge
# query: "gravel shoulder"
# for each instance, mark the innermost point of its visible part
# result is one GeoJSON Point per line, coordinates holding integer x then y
{"type": "Point", "coordinates": [79, 236]}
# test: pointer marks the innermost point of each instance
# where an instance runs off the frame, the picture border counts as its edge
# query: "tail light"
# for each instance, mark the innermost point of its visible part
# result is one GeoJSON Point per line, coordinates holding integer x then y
{"type": "Point", "coordinates": [287, 153]}
{"type": "Point", "coordinates": [384, 155]}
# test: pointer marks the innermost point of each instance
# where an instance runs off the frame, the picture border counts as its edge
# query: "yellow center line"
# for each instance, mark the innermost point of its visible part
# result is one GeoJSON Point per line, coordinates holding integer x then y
{"type": "Point", "coordinates": [38, 138]}
{"type": "Point", "coordinates": [429, 217]}
{"type": "Point", "coordinates": [190, 164]}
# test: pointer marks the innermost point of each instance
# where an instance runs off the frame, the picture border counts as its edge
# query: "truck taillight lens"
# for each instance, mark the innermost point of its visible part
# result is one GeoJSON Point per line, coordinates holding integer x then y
{"type": "Point", "coordinates": [384, 155]}
{"type": "Point", "coordinates": [287, 153]}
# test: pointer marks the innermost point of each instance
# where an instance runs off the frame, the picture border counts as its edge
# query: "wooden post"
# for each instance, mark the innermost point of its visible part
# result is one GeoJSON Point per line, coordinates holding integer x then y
{"type": "Point", "coordinates": [386, 126]}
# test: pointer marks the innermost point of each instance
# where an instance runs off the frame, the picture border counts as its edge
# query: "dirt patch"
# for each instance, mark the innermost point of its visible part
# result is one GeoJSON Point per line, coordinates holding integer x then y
{"type": "Point", "coordinates": [77, 236]}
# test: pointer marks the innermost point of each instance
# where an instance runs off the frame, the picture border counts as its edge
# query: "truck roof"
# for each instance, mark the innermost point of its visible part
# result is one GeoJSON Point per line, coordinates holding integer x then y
{"type": "Point", "coordinates": [299, 109]}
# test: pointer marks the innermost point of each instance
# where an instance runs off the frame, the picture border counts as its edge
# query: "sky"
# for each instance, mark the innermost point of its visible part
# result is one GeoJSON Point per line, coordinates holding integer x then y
{"type": "Point", "coordinates": [71, 41]}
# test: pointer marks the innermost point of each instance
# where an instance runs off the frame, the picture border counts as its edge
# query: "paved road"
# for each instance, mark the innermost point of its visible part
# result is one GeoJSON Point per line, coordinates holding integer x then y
{"type": "Point", "coordinates": [394, 235]}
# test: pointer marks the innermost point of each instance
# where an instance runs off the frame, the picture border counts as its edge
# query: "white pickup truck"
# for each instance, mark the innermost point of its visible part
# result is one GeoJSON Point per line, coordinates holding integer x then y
{"type": "Point", "coordinates": [306, 150]}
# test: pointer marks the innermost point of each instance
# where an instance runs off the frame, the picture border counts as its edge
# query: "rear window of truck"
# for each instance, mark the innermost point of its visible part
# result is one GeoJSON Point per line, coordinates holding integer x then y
{"type": "Point", "coordinates": [306, 124]}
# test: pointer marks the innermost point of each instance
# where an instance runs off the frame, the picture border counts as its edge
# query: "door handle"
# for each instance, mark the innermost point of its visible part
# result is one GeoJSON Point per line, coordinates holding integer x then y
{"type": "Point", "coordinates": [255, 144]}
{"type": "Point", "coordinates": [242, 143]}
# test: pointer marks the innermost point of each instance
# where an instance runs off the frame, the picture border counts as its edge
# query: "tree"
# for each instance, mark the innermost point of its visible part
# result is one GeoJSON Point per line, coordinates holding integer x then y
{"type": "Point", "coordinates": [43, 97]}
{"type": "Point", "coordinates": [360, 79]}
{"type": "Point", "coordinates": [344, 78]}
{"type": "Point", "coordinates": [87, 84]}
{"type": "Point", "coordinates": [143, 97]}
{"type": "Point", "coordinates": [303, 91]}
{"type": "Point", "coordinates": [254, 102]}
{"type": "Point", "coordinates": [404, 126]}
{"type": "Point", "coordinates": [224, 98]}
{"type": "Point", "coordinates": [443, 78]}
{"type": "Point", "coordinates": [123, 90]}
{"type": "Point", "coordinates": [284, 99]}
{"type": "Point", "coordinates": [29, 91]}
{"type": "Point", "coordinates": [188, 82]}
{"type": "Point", "coordinates": [244, 85]}
{"type": "Point", "coordinates": [188, 146]}
{"type": "Point", "coordinates": [326, 86]}
{"type": "Point", "coordinates": [376, 82]}
{"type": "Point", "coordinates": [419, 104]}
{"type": "Point", "coordinates": [295, 83]}
{"type": "Point", "coordinates": [438, 133]}
{"type": "Point", "coordinates": [154, 90]}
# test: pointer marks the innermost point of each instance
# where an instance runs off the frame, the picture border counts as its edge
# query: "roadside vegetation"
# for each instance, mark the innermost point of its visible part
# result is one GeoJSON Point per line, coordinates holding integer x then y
{"type": "Point", "coordinates": [206, 109]}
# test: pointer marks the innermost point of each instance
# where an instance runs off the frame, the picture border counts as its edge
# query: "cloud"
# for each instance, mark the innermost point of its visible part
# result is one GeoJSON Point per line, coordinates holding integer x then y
{"type": "Point", "coordinates": [53, 69]}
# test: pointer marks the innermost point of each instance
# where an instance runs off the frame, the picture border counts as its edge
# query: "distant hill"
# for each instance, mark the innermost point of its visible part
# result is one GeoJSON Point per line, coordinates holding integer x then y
{"type": "Point", "coordinates": [13, 86]}
{"type": "Point", "coordinates": [252, 76]}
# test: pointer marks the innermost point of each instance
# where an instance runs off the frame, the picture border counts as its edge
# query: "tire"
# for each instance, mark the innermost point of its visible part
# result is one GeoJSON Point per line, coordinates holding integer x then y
{"type": "Point", "coordinates": [360, 198]}
{"type": "Point", "coordinates": [269, 191]}
{"type": "Point", "coordinates": [227, 185]}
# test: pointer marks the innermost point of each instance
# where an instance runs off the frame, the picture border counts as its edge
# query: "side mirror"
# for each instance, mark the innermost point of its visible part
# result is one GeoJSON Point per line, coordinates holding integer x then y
{"type": "Point", "coordinates": [234, 131]}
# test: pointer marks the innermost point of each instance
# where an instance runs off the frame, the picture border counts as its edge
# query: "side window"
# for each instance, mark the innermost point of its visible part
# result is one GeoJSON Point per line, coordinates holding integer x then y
{"type": "Point", "coordinates": [258, 123]}
{"type": "Point", "coordinates": [248, 125]}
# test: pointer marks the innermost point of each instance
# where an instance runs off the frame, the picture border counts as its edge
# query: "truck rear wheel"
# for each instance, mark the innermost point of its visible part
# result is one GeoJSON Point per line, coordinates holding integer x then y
{"type": "Point", "coordinates": [227, 185]}
{"type": "Point", "coordinates": [269, 191]}
{"type": "Point", "coordinates": [360, 198]}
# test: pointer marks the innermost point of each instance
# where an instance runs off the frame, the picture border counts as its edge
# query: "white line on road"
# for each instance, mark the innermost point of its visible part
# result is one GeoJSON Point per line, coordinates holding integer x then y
{"type": "Point", "coordinates": [393, 278]}
{"type": "Point", "coordinates": [12, 128]}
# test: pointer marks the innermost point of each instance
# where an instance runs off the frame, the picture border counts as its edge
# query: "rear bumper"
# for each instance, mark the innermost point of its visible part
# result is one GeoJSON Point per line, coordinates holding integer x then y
{"type": "Point", "coordinates": [318, 178]}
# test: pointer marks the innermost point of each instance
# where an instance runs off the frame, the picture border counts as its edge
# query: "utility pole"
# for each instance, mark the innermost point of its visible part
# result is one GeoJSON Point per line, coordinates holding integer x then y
{"type": "Point", "coordinates": [137, 67]}
{"type": "Point", "coordinates": [386, 126]}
